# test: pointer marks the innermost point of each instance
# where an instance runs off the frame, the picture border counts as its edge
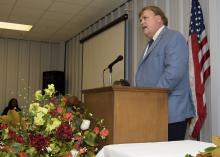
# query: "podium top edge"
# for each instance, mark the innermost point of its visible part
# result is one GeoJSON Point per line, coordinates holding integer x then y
{"type": "Point", "coordinates": [126, 88]}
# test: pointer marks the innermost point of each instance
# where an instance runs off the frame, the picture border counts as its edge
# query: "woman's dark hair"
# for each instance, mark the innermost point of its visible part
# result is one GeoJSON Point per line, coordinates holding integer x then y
{"type": "Point", "coordinates": [12, 104]}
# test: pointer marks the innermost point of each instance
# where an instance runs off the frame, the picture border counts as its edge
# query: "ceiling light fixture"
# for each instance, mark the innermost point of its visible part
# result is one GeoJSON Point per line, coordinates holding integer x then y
{"type": "Point", "coordinates": [15, 26]}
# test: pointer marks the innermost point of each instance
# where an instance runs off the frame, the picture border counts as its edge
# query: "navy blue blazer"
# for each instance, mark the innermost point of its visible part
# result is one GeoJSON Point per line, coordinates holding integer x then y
{"type": "Point", "coordinates": [166, 65]}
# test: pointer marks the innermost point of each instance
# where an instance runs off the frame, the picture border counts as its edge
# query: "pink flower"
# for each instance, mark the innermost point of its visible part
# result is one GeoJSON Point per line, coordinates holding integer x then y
{"type": "Point", "coordinates": [59, 109]}
{"type": "Point", "coordinates": [96, 130]}
{"type": "Point", "coordinates": [67, 116]}
{"type": "Point", "coordinates": [82, 151]}
{"type": "Point", "coordinates": [69, 155]}
{"type": "Point", "coordinates": [104, 132]}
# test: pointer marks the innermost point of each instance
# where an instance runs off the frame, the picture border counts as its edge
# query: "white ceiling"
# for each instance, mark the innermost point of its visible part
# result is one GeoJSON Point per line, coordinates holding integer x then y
{"type": "Point", "coordinates": [53, 20]}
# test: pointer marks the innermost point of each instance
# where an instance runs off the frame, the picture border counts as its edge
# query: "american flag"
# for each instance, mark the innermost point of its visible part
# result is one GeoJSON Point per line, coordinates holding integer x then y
{"type": "Point", "coordinates": [199, 66]}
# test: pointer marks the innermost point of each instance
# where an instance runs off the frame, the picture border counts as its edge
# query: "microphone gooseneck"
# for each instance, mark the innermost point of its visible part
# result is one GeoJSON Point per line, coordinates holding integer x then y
{"type": "Point", "coordinates": [119, 58]}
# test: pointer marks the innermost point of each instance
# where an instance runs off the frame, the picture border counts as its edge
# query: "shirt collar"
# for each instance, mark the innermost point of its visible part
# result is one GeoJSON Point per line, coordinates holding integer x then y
{"type": "Point", "coordinates": [158, 32]}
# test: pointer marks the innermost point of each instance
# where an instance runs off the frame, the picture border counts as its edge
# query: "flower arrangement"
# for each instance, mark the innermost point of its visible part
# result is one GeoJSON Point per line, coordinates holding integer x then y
{"type": "Point", "coordinates": [210, 151]}
{"type": "Point", "coordinates": [55, 125]}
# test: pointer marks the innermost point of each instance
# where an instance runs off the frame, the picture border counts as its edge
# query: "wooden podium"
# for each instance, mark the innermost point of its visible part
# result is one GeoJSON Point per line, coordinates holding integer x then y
{"type": "Point", "coordinates": [131, 114]}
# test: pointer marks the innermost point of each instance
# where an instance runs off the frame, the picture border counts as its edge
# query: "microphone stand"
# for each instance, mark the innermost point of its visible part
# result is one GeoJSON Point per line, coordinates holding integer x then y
{"type": "Point", "coordinates": [110, 76]}
{"type": "Point", "coordinates": [103, 77]}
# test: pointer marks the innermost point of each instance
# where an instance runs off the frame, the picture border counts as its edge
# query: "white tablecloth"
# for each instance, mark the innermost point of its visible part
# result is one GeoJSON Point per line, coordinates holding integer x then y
{"type": "Point", "coordinates": [154, 149]}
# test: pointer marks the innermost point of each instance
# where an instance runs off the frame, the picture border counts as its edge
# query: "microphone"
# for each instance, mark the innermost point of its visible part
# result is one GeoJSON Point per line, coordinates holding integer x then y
{"type": "Point", "coordinates": [119, 58]}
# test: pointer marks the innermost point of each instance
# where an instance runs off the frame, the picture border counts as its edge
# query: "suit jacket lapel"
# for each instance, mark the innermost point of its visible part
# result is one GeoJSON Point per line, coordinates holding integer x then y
{"type": "Point", "coordinates": [152, 46]}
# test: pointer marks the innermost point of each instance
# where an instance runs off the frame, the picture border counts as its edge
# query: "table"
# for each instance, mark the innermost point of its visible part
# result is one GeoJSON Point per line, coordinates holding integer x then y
{"type": "Point", "coordinates": [154, 149]}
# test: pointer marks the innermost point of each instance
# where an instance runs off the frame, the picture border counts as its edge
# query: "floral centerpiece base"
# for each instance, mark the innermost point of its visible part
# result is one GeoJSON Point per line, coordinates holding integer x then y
{"type": "Point", "coordinates": [55, 125]}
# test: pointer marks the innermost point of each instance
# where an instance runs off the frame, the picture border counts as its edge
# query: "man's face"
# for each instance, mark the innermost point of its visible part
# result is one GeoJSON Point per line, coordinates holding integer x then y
{"type": "Point", "coordinates": [150, 23]}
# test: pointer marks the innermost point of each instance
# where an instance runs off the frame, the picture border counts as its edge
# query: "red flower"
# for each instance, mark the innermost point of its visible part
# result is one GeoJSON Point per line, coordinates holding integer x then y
{"type": "Point", "coordinates": [22, 154]}
{"type": "Point", "coordinates": [52, 112]}
{"type": "Point", "coordinates": [11, 134]}
{"type": "Point", "coordinates": [3, 126]}
{"type": "Point", "coordinates": [65, 99]}
{"type": "Point", "coordinates": [73, 100]}
{"type": "Point", "coordinates": [96, 130]}
{"type": "Point", "coordinates": [104, 132]}
{"type": "Point", "coordinates": [59, 109]}
{"type": "Point", "coordinates": [38, 141]}
{"type": "Point", "coordinates": [64, 131]}
{"type": "Point", "coordinates": [69, 155]}
{"type": "Point", "coordinates": [20, 139]}
{"type": "Point", "coordinates": [76, 146]}
{"type": "Point", "coordinates": [67, 116]}
{"type": "Point", "coordinates": [78, 138]}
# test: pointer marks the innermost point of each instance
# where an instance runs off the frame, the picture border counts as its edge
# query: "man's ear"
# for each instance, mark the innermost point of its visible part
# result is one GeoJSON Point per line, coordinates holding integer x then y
{"type": "Point", "coordinates": [158, 18]}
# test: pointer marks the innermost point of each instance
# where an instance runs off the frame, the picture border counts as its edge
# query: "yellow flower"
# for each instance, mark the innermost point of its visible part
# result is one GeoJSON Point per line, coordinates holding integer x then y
{"type": "Point", "coordinates": [49, 106]}
{"type": "Point", "coordinates": [34, 107]}
{"type": "Point", "coordinates": [50, 90]}
{"type": "Point", "coordinates": [53, 124]}
{"type": "Point", "coordinates": [38, 119]}
{"type": "Point", "coordinates": [42, 110]}
{"type": "Point", "coordinates": [38, 95]}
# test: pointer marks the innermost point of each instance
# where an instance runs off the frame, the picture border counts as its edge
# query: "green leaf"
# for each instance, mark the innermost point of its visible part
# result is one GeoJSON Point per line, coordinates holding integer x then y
{"type": "Point", "coordinates": [90, 138]}
{"type": "Point", "coordinates": [91, 154]}
{"type": "Point", "coordinates": [17, 147]}
{"type": "Point", "coordinates": [68, 148]}
{"type": "Point", "coordinates": [209, 149]}
{"type": "Point", "coordinates": [188, 155]}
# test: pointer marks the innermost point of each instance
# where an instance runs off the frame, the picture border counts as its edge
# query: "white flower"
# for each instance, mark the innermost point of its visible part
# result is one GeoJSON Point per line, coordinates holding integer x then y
{"type": "Point", "coordinates": [48, 149]}
{"type": "Point", "coordinates": [74, 153]}
{"type": "Point", "coordinates": [85, 124]}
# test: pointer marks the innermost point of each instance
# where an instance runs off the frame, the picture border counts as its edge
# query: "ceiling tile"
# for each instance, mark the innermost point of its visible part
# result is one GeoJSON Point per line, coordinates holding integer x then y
{"type": "Point", "coordinates": [23, 20]}
{"type": "Point", "coordinates": [65, 7]}
{"type": "Point", "coordinates": [50, 23]}
{"type": "Point", "coordinates": [58, 16]}
{"type": "Point", "coordinates": [13, 34]}
{"type": "Point", "coordinates": [4, 12]}
{"type": "Point", "coordinates": [81, 2]}
{"type": "Point", "coordinates": [34, 4]}
{"type": "Point", "coordinates": [103, 4]}
{"type": "Point", "coordinates": [26, 12]}
{"type": "Point", "coordinates": [8, 2]}
{"type": "Point", "coordinates": [43, 30]}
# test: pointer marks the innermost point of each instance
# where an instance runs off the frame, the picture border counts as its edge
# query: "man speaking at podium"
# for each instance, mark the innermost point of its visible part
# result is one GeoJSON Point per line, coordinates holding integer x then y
{"type": "Point", "coordinates": [164, 64]}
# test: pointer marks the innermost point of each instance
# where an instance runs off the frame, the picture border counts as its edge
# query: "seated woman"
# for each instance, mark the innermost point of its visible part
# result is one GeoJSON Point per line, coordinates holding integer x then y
{"type": "Point", "coordinates": [12, 105]}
